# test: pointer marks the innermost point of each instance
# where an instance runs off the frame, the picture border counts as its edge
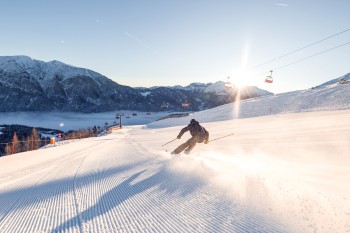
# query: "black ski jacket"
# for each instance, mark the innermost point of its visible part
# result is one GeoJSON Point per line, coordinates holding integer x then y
{"type": "Point", "coordinates": [196, 130]}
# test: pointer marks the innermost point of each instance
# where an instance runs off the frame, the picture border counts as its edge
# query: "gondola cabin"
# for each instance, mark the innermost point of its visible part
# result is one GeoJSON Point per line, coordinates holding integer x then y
{"type": "Point", "coordinates": [269, 78]}
{"type": "Point", "coordinates": [228, 84]}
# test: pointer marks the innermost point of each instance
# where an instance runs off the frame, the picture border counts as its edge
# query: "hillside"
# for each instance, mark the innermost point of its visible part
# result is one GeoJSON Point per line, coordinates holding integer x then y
{"type": "Point", "coordinates": [325, 97]}
{"type": "Point", "coordinates": [276, 174]}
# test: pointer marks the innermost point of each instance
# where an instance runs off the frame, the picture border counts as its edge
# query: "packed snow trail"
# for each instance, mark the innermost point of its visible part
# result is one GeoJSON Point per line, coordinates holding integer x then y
{"type": "Point", "coordinates": [294, 166]}
{"type": "Point", "coordinates": [283, 173]}
{"type": "Point", "coordinates": [116, 185]}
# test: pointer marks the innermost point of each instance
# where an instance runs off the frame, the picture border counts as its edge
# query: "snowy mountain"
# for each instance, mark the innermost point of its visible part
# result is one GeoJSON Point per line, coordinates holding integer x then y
{"type": "Point", "coordinates": [31, 85]}
{"type": "Point", "coordinates": [332, 95]}
{"type": "Point", "coordinates": [218, 88]}
{"type": "Point", "coordinates": [203, 96]}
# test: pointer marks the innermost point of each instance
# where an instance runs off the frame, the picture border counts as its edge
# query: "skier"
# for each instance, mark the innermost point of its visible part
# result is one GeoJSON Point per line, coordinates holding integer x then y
{"type": "Point", "coordinates": [199, 135]}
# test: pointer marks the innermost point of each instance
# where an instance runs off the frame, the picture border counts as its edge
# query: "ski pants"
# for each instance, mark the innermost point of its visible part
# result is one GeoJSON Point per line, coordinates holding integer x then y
{"type": "Point", "coordinates": [189, 145]}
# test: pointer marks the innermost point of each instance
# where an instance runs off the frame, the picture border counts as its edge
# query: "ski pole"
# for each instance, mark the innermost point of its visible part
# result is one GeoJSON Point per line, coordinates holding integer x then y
{"type": "Point", "coordinates": [169, 142]}
{"type": "Point", "coordinates": [220, 137]}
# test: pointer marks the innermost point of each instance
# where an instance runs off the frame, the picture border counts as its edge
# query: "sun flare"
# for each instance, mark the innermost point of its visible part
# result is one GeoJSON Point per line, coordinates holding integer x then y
{"type": "Point", "coordinates": [240, 82]}
{"type": "Point", "coordinates": [242, 79]}
{"type": "Point", "coordinates": [241, 76]}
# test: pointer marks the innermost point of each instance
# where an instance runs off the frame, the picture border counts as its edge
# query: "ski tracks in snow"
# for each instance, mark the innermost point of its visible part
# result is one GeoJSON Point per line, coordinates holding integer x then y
{"type": "Point", "coordinates": [117, 184]}
{"type": "Point", "coordinates": [40, 198]}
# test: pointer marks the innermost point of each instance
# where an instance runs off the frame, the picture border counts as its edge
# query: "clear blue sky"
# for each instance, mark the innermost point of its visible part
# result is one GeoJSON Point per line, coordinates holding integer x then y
{"type": "Point", "coordinates": [168, 42]}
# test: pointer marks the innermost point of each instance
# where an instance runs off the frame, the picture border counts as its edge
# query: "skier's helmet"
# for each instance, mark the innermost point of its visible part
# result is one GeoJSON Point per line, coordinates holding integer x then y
{"type": "Point", "coordinates": [193, 121]}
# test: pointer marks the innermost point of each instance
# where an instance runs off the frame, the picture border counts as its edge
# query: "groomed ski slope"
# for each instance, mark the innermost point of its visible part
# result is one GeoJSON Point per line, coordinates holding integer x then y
{"type": "Point", "coordinates": [279, 173]}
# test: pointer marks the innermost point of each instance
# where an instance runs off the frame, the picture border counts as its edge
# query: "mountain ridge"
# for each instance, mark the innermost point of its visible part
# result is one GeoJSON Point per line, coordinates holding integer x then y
{"type": "Point", "coordinates": [28, 84]}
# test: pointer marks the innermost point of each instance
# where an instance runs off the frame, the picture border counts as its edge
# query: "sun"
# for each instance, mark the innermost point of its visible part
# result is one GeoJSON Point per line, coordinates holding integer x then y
{"type": "Point", "coordinates": [240, 82]}
{"type": "Point", "coordinates": [241, 75]}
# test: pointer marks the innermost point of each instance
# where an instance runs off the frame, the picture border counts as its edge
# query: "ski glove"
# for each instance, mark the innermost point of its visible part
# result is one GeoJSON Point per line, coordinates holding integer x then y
{"type": "Point", "coordinates": [178, 137]}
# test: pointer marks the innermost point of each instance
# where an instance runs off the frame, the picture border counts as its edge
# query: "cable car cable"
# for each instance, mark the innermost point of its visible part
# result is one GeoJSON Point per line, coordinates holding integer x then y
{"type": "Point", "coordinates": [280, 67]}
{"type": "Point", "coordinates": [300, 60]}
{"type": "Point", "coordinates": [297, 50]}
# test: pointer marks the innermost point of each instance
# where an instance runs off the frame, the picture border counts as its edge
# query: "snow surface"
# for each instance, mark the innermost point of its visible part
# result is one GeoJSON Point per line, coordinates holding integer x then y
{"type": "Point", "coordinates": [278, 173]}
{"type": "Point", "coordinates": [145, 94]}
{"type": "Point", "coordinates": [284, 173]}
